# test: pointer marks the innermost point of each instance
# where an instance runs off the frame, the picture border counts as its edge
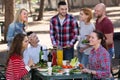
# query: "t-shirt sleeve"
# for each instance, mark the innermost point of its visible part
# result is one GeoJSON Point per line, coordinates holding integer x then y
{"type": "Point", "coordinates": [108, 27]}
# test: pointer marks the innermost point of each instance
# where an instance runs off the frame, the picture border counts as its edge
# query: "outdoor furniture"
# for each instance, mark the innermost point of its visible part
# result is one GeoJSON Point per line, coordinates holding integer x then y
{"type": "Point", "coordinates": [1, 28]}
{"type": "Point", "coordinates": [2, 72]}
{"type": "Point", "coordinates": [44, 75]}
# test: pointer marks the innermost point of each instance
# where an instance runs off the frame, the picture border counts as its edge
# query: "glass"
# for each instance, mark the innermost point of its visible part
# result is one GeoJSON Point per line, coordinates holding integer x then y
{"type": "Point", "coordinates": [50, 70]}
{"type": "Point", "coordinates": [59, 56]}
{"type": "Point", "coordinates": [49, 64]}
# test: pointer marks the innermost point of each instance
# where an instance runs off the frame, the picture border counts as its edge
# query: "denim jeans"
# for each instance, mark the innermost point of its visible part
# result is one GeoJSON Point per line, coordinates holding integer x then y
{"type": "Point", "coordinates": [68, 53]}
{"type": "Point", "coordinates": [111, 52]}
{"type": "Point", "coordinates": [83, 58]}
{"type": "Point", "coordinates": [79, 54]}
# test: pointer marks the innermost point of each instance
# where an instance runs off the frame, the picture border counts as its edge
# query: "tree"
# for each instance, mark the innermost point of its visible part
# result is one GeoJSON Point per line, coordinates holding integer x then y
{"type": "Point", "coordinates": [3, 4]}
{"type": "Point", "coordinates": [29, 2]}
{"type": "Point", "coordinates": [40, 16]}
{"type": "Point", "coordinates": [9, 15]}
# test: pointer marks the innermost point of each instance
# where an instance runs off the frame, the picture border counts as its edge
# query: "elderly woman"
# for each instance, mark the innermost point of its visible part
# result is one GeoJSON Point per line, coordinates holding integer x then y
{"type": "Point", "coordinates": [99, 58]}
{"type": "Point", "coordinates": [18, 25]}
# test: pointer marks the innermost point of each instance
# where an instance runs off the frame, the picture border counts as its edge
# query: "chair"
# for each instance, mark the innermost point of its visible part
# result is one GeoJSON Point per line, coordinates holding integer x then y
{"type": "Point", "coordinates": [2, 72]}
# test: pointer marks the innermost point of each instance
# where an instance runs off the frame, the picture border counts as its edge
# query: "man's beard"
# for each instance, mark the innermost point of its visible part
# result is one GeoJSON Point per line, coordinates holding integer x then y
{"type": "Point", "coordinates": [62, 15]}
{"type": "Point", "coordinates": [99, 16]}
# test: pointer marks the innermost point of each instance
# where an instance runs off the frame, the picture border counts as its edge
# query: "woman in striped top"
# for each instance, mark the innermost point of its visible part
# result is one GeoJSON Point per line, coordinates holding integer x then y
{"type": "Point", "coordinates": [16, 68]}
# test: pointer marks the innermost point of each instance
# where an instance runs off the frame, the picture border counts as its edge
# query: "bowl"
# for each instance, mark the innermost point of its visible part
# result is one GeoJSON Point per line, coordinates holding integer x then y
{"type": "Point", "coordinates": [67, 71]}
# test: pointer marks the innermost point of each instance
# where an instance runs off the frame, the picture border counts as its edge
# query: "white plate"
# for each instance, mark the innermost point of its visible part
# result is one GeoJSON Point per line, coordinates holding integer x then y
{"type": "Point", "coordinates": [55, 73]}
{"type": "Point", "coordinates": [42, 69]}
{"type": "Point", "coordinates": [77, 72]}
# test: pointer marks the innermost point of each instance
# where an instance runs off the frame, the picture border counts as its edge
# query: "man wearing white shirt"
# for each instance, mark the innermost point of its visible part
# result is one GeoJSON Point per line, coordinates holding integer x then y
{"type": "Point", "coordinates": [33, 51]}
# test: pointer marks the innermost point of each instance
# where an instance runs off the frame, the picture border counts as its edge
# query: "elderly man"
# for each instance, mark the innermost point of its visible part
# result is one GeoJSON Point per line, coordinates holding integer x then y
{"type": "Point", "coordinates": [104, 25]}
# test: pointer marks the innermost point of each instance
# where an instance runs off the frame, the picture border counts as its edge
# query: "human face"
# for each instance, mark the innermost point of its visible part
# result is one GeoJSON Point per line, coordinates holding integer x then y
{"type": "Point", "coordinates": [33, 39]}
{"type": "Point", "coordinates": [83, 16]}
{"type": "Point", "coordinates": [94, 41]}
{"type": "Point", "coordinates": [98, 12]}
{"type": "Point", "coordinates": [24, 16]}
{"type": "Point", "coordinates": [25, 42]}
{"type": "Point", "coordinates": [63, 9]}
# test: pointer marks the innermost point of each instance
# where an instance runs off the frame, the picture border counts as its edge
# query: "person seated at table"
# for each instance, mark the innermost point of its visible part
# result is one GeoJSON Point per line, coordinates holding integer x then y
{"type": "Point", "coordinates": [16, 69]}
{"type": "Point", "coordinates": [99, 58]}
{"type": "Point", "coordinates": [34, 49]}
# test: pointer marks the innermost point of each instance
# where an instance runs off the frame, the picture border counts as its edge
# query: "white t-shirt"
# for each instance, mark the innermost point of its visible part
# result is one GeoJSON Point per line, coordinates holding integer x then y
{"type": "Point", "coordinates": [33, 53]}
{"type": "Point", "coordinates": [85, 30]}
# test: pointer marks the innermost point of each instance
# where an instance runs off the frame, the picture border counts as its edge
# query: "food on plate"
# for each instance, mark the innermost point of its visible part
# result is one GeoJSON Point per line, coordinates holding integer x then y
{"type": "Point", "coordinates": [76, 71]}
{"type": "Point", "coordinates": [67, 66]}
{"type": "Point", "coordinates": [56, 68]}
{"type": "Point", "coordinates": [81, 66]}
{"type": "Point", "coordinates": [74, 61]}
{"type": "Point", "coordinates": [41, 65]}
{"type": "Point", "coordinates": [85, 41]}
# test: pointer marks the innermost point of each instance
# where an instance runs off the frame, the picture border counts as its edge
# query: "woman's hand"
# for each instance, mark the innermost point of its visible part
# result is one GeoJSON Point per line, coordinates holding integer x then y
{"type": "Point", "coordinates": [30, 62]}
{"type": "Point", "coordinates": [89, 71]}
{"type": "Point", "coordinates": [82, 49]}
{"type": "Point", "coordinates": [86, 70]}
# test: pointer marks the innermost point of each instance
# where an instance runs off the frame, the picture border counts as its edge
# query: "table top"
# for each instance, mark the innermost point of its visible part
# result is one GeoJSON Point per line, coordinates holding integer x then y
{"type": "Point", "coordinates": [45, 76]}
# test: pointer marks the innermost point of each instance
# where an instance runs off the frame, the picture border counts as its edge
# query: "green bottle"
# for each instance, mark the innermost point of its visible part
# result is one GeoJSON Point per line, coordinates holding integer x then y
{"type": "Point", "coordinates": [41, 54]}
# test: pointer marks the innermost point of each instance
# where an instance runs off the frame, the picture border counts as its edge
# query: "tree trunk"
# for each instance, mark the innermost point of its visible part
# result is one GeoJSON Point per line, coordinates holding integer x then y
{"type": "Point", "coordinates": [50, 5]}
{"type": "Point", "coordinates": [3, 4]}
{"type": "Point", "coordinates": [40, 16]}
{"type": "Point", "coordinates": [82, 3]}
{"type": "Point", "coordinates": [9, 15]}
{"type": "Point", "coordinates": [69, 7]}
{"type": "Point", "coordinates": [29, 2]}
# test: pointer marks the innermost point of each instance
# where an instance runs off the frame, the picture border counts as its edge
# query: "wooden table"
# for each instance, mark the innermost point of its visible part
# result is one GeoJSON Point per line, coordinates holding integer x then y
{"type": "Point", "coordinates": [45, 76]}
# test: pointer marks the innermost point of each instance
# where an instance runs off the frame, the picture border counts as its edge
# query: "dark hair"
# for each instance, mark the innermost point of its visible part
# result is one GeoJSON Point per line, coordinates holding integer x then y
{"type": "Point", "coordinates": [61, 3]}
{"type": "Point", "coordinates": [29, 33]}
{"type": "Point", "coordinates": [16, 47]}
{"type": "Point", "coordinates": [101, 36]}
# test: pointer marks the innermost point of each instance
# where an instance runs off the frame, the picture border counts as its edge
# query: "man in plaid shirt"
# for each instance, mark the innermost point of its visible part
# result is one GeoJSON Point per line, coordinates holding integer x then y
{"type": "Point", "coordinates": [64, 31]}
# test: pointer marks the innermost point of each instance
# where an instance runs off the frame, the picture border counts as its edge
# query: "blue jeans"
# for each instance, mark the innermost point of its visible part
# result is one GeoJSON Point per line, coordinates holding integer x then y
{"type": "Point", "coordinates": [83, 58]}
{"type": "Point", "coordinates": [68, 53]}
{"type": "Point", "coordinates": [111, 52]}
{"type": "Point", "coordinates": [79, 54]}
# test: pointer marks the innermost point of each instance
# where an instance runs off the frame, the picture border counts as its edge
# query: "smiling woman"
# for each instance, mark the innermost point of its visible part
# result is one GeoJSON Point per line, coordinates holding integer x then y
{"type": "Point", "coordinates": [18, 25]}
{"type": "Point", "coordinates": [99, 58]}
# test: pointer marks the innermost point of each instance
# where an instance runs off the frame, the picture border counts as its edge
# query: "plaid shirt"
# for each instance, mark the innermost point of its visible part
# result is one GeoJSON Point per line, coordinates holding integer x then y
{"type": "Point", "coordinates": [63, 35]}
{"type": "Point", "coordinates": [99, 60]}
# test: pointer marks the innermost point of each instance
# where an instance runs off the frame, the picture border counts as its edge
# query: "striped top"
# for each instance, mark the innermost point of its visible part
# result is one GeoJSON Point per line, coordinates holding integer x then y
{"type": "Point", "coordinates": [15, 68]}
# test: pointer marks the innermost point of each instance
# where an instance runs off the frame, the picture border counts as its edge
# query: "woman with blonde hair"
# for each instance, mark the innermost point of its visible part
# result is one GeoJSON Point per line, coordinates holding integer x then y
{"type": "Point", "coordinates": [18, 25]}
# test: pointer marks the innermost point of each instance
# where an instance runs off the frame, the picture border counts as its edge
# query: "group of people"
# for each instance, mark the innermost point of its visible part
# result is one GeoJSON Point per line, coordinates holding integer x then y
{"type": "Point", "coordinates": [65, 31]}
{"type": "Point", "coordinates": [97, 54]}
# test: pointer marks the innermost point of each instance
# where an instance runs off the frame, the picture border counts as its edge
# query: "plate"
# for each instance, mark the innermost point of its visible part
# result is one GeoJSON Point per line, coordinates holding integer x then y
{"type": "Point", "coordinates": [42, 69]}
{"type": "Point", "coordinates": [55, 73]}
{"type": "Point", "coordinates": [77, 72]}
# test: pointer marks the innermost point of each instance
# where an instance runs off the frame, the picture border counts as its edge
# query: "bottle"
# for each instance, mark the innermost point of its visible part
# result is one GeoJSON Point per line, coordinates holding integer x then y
{"type": "Point", "coordinates": [41, 54]}
{"type": "Point", "coordinates": [49, 57]}
{"type": "Point", "coordinates": [59, 56]}
{"type": "Point", "coordinates": [54, 57]}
